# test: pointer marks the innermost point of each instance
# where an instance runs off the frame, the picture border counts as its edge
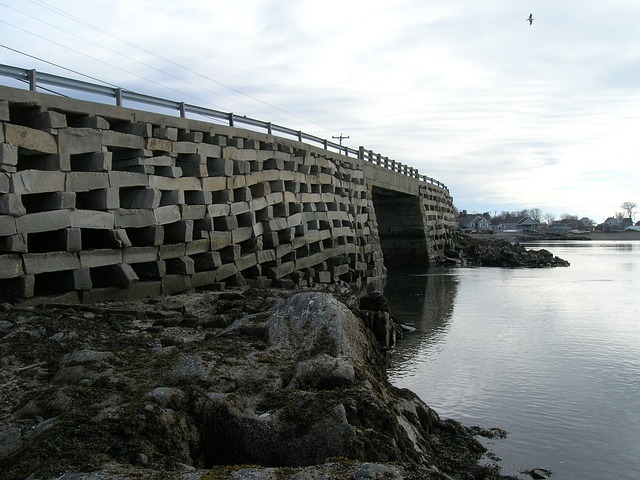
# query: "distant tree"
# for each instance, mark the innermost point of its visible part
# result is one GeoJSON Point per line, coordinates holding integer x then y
{"type": "Point", "coordinates": [628, 208]}
{"type": "Point", "coordinates": [568, 216]}
{"type": "Point", "coordinates": [619, 217]}
{"type": "Point", "coordinates": [549, 217]}
{"type": "Point", "coordinates": [536, 214]}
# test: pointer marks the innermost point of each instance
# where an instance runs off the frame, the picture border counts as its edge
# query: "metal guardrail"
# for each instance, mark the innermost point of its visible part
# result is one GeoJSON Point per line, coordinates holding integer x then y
{"type": "Point", "coordinates": [35, 78]}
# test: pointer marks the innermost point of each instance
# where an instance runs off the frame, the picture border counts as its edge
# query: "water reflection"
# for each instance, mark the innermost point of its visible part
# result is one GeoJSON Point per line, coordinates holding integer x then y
{"type": "Point", "coordinates": [423, 300]}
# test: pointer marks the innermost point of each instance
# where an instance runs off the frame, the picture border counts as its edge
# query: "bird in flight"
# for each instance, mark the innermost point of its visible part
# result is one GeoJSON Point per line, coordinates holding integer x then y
{"type": "Point", "coordinates": [530, 19]}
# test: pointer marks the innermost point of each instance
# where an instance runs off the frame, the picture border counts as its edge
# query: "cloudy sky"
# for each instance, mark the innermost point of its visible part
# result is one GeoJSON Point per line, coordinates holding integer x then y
{"type": "Point", "coordinates": [508, 115]}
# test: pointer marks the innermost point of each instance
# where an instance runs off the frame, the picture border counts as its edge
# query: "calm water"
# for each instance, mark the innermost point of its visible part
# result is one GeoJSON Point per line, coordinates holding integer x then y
{"type": "Point", "coordinates": [550, 355]}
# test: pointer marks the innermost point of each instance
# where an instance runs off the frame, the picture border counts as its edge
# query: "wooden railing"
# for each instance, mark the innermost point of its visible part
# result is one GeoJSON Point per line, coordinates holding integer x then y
{"type": "Point", "coordinates": [34, 78]}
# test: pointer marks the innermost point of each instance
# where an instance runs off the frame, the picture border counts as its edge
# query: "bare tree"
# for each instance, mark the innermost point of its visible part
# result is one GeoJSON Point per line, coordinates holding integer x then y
{"type": "Point", "coordinates": [568, 216]}
{"type": "Point", "coordinates": [549, 217]}
{"type": "Point", "coordinates": [536, 214]}
{"type": "Point", "coordinates": [629, 208]}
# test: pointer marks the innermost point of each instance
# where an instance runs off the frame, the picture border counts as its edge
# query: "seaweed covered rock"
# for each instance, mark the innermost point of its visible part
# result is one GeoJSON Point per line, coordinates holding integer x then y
{"type": "Point", "coordinates": [500, 253]}
{"type": "Point", "coordinates": [163, 390]}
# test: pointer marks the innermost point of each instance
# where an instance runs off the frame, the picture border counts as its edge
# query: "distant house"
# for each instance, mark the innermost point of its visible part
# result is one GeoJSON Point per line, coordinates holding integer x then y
{"type": "Point", "coordinates": [473, 222]}
{"type": "Point", "coordinates": [585, 224]}
{"type": "Point", "coordinates": [559, 227]}
{"type": "Point", "coordinates": [518, 224]}
{"type": "Point", "coordinates": [610, 225]}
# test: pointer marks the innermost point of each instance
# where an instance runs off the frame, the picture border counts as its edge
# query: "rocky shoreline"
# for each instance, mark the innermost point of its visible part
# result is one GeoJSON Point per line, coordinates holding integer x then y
{"type": "Point", "coordinates": [209, 385]}
{"type": "Point", "coordinates": [496, 252]}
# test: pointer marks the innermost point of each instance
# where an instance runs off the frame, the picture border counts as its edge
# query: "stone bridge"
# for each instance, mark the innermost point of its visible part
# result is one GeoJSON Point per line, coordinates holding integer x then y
{"type": "Point", "coordinates": [104, 202]}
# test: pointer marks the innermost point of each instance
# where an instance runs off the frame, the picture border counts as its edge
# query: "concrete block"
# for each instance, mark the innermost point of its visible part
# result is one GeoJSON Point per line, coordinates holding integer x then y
{"type": "Point", "coordinates": [35, 263]}
{"type": "Point", "coordinates": [193, 212]}
{"type": "Point", "coordinates": [218, 210]}
{"type": "Point", "coordinates": [71, 239]}
{"type": "Point", "coordinates": [23, 287]}
{"type": "Point", "coordinates": [204, 278]}
{"type": "Point", "coordinates": [10, 266]}
{"type": "Point", "coordinates": [43, 221]}
{"type": "Point", "coordinates": [128, 179]}
{"type": "Point", "coordinates": [41, 202]}
{"type": "Point", "coordinates": [209, 150]}
{"type": "Point", "coordinates": [136, 218]}
{"type": "Point", "coordinates": [100, 257]}
{"type": "Point", "coordinates": [172, 284]}
{"type": "Point", "coordinates": [133, 255]}
{"type": "Point", "coordinates": [8, 154]}
{"type": "Point", "coordinates": [92, 122]}
{"type": "Point", "coordinates": [146, 236]}
{"type": "Point", "coordinates": [47, 120]}
{"type": "Point", "coordinates": [35, 181]}
{"type": "Point", "coordinates": [111, 138]}
{"type": "Point", "coordinates": [198, 246]}
{"type": "Point", "coordinates": [181, 231]}
{"type": "Point", "coordinates": [280, 271]}
{"type": "Point", "coordinates": [92, 219]}
{"type": "Point", "coordinates": [13, 243]}
{"type": "Point", "coordinates": [246, 261]}
{"type": "Point", "coordinates": [207, 261]}
{"type": "Point", "coordinates": [79, 280]}
{"type": "Point", "coordinates": [101, 199]}
{"type": "Point", "coordinates": [167, 214]}
{"type": "Point", "coordinates": [86, 181]}
{"type": "Point", "coordinates": [79, 140]}
{"type": "Point", "coordinates": [33, 140]}
{"type": "Point", "coordinates": [238, 208]}
{"type": "Point", "coordinates": [139, 197]}
{"type": "Point", "coordinates": [134, 128]}
{"type": "Point", "coordinates": [5, 183]}
{"type": "Point", "coordinates": [150, 270]}
{"type": "Point", "coordinates": [228, 223]}
{"type": "Point", "coordinates": [7, 225]}
{"type": "Point", "coordinates": [175, 250]}
{"type": "Point", "coordinates": [219, 167]}
{"type": "Point", "coordinates": [121, 275]}
{"type": "Point", "coordinates": [241, 234]}
{"type": "Point", "coordinates": [164, 183]}
{"type": "Point", "coordinates": [213, 184]}
{"type": "Point", "coordinates": [170, 172]}
{"type": "Point", "coordinates": [166, 133]}
{"type": "Point", "coordinates": [220, 240]}
{"type": "Point", "coordinates": [92, 162]}
{"type": "Point", "coordinates": [4, 111]}
{"type": "Point", "coordinates": [193, 169]}
{"type": "Point", "coordinates": [11, 204]}
{"type": "Point", "coordinates": [226, 271]}
{"type": "Point", "coordinates": [184, 147]}
{"type": "Point", "coordinates": [56, 163]}
{"type": "Point", "coordinates": [181, 266]}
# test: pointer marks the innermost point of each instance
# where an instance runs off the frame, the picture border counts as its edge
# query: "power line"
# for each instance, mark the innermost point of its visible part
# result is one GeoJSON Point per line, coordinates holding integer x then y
{"type": "Point", "coordinates": [96, 28]}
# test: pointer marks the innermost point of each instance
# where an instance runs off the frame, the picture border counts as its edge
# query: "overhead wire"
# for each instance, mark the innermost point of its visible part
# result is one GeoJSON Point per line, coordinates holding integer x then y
{"type": "Point", "coordinates": [132, 59]}
{"type": "Point", "coordinates": [149, 52]}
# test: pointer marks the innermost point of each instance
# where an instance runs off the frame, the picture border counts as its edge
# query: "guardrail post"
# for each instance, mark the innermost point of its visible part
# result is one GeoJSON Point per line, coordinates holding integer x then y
{"type": "Point", "coordinates": [32, 80]}
{"type": "Point", "coordinates": [299, 135]}
{"type": "Point", "coordinates": [118, 97]}
{"type": "Point", "coordinates": [230, 119]}
{"type": "Point", "coordinates": [183, 110]}
{"type": "Point", "coordinates": [326, 144]}
{"type": "Point", "coordinates": [269, 128]}
{"type": "Point", "coordinates": [361, 153]}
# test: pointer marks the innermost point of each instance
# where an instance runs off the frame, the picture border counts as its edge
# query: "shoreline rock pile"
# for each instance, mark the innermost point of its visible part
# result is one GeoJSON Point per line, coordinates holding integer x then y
{"type": "Point", "coordinates": [199, 386]}
{"type": "Point", "coordinates": [472, 251]}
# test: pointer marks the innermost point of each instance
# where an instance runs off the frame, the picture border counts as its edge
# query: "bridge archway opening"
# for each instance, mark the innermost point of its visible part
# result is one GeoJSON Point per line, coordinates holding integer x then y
{"type": "Point", "coordinates": [402, 229]}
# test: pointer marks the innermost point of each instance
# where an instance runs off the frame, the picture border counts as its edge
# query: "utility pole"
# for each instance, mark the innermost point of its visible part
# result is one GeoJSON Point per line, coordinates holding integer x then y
{"type": "Point", "coordinates": [341, 137]}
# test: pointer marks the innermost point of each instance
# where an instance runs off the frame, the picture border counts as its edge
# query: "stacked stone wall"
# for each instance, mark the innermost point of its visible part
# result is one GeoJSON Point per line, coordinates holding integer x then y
{"type": "Point", "coordinates": [121, 205]}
